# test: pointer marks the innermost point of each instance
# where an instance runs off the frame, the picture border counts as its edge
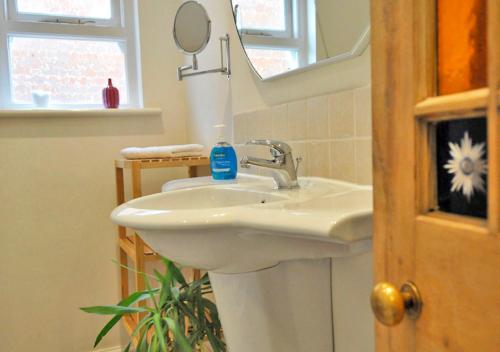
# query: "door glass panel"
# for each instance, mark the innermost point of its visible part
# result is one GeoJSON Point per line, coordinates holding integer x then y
{"type": "Point", "coordinates": [462, 166]}
{"type": "Point", "coordinates": [462, 45]}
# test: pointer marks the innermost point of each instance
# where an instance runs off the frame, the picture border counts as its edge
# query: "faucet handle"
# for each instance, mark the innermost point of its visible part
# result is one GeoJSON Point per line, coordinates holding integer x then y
{"type": "Point", "coordinates": [298, 160]}
{"type": "Point", "coordinates": [277, 147]}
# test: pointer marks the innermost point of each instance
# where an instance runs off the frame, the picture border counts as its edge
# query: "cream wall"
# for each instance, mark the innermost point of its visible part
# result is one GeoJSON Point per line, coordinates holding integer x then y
{"type": "Point", "coordinates": [57, 190]}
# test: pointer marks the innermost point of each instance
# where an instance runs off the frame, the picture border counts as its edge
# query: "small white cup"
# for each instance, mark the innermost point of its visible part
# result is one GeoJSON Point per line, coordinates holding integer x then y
{"type": "Point", "coordinates": [40, 98]}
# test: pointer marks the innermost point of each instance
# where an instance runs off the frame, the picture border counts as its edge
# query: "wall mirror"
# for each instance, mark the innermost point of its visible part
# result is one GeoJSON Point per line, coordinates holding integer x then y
{"type": "Point", "coordinates": [281, 37]}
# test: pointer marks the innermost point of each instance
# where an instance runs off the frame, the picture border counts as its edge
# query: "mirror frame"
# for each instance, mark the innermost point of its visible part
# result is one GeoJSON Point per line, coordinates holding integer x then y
{"type": "Point", "coordinates": [209, 29]}
{"type": "Point", "coordinates": [357, 50]}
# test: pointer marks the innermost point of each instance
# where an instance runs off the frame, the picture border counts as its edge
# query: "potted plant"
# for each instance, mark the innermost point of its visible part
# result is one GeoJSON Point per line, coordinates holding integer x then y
{"type": "Point", "coordinates": [179, 317]}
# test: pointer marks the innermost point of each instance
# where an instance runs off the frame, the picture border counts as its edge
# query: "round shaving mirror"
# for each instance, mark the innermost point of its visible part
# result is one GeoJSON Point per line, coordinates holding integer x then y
{"type": "Point", "coordinates": [191, 28]}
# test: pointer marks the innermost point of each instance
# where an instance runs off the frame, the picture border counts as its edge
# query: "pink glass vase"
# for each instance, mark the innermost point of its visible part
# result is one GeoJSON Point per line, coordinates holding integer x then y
{"type": "Point", "coordinates": [111, 96]}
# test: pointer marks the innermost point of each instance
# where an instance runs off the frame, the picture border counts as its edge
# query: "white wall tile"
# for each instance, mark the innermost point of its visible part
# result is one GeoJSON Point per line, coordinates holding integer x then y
{"type": "Point", "coordinates": [280, 123]}
{"type": "Point", "coordinates": [259, 124]}
{"type": "Point", "coordinates": [297, 120]}
{"type": "Point", "coordinates": [318, 159]}
{"type": "Point", "coordinates": [364, 161]}
{"type": "Point", "coordinates": [342, 160]}
{"type": "Point", "coordinates": [317, 118]}
{"type": "Point", "coordinates": [239, 133]}
{"type": "Point", "coordinates": [363, 111]}
{"type": "Point", "coordinates": [341, 114]}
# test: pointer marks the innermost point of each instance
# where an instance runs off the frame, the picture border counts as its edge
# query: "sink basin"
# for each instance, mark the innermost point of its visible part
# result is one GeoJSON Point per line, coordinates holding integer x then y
{"type": "Point", "coordinates": [248, 225]}
{"type": "Point", "coordinates": [269, 254]}
{"type": "Point", "coordinates": [204, 198]}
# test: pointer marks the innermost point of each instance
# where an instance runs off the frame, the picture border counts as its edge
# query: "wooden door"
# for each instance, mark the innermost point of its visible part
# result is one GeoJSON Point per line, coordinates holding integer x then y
{"type": "Point", "coordinates": [437, 173]}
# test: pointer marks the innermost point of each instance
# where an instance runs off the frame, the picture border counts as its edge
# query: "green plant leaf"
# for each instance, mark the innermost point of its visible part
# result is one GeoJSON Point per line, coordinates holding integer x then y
{"type": "Point", "coordinates": [138, 296]}
{"type": "Point", "coordinates": [175, 293]}
{"type": "Point", "coordinates": [131, 269]}
{"type": "Point", "coordinates": [160, 334]}
{"type": "Point", "coordinates": [212, 308]}
{"type": "Point", "coordinates": [127, 349]}
{"type": "Point", "coordinates": [152, 345]}
{"type": "Point", "coordinates": [204, 280]}
{"type": "Point", "coordinates": [166, 285]}
{"type": "Point", "coordinates": [120, 310]}
{"type": "Point", "coordinates": [133, 298]}
{"type": "Point", "coordinates": [140, 325]}
{"type": "Point", "coordinates": [148, 285]}
{"type": "Point", "coordinates": [189, 312]}
{"type": "Point", "coordinates": [180, 339]}
{"type": "Point", "coordinates": [142, 343]}
{"type": "Point", "coordinates": [201, 311]}
{"type": "Point", "coordinates": [217, 344]}
{"type": "Point", "coordinates": [158, 275]}
{"type": "Point", "coordinates": [176, 273]}
{"type": "Point", "coordinates": [106, 329]}
{"type": "Point", "coordinates": [176, 303]}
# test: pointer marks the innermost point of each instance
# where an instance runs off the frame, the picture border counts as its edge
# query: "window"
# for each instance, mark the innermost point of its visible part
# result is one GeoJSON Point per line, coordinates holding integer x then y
{"type": "Point", "coordinates": [68, 49]}
{"type": "Point", "coordinates": [272, 33]}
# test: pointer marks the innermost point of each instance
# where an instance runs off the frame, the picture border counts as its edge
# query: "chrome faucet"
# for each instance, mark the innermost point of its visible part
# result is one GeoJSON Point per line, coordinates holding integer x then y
{"type": "Point", "coordinates": [282, 163]}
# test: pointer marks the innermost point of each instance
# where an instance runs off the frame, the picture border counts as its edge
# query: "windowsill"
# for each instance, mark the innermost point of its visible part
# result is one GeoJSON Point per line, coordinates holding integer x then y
{"type": "Point", "coordinates": [144, 112]}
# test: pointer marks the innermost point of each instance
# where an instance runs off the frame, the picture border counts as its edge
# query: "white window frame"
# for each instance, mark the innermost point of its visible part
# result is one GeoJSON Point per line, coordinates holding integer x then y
{"type": "Point", "coordinates": [13, 14]}
{"type": "Point", "coordinates": [121, 28]}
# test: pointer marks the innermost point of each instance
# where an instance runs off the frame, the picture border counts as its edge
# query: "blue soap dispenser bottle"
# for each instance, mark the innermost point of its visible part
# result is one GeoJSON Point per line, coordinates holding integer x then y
{"type": "Point", "coordinates": [223, 161]}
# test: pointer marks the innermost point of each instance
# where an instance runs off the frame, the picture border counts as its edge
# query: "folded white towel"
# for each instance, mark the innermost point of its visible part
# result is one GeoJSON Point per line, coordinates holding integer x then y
{"type": "Point", "coordinates": [167, 151]}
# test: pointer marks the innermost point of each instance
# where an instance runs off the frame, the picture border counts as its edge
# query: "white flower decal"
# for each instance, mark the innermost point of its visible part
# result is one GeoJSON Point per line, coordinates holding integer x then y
{"type": "Point", "coordinates": [467, 166]}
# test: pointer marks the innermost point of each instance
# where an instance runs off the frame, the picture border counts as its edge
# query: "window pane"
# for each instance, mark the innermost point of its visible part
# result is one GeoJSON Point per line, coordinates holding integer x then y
{"type": "Point", "coordinates": [261, 14]}
{"type": "Point", "coordinates": [271, 62]}
{"type": "Point", "coordinates": [67, 8]}
{"type": "Point", "coordinates": [72, 71]}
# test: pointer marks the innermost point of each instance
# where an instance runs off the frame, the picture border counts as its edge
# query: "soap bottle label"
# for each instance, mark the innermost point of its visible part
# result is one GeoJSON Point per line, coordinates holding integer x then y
{"type": "Point", "coordinates": [223, 162]}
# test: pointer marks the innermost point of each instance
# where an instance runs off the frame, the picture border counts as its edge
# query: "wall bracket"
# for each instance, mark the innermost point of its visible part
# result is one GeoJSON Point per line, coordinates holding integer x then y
{"type": "Point", "coordinates": [223, 69]}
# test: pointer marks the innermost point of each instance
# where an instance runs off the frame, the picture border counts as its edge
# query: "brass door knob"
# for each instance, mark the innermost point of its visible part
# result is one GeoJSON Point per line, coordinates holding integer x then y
{"type": "Point", "coordinates": [390, 304]}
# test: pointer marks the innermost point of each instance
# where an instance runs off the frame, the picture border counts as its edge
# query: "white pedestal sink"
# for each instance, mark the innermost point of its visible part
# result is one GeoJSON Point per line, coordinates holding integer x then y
{"type": "Point", "coordinates": [271, 255]}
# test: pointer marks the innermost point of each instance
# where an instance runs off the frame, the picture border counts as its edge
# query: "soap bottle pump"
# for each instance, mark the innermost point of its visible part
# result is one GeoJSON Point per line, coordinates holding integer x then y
{"type": "Point", "coordinates": [223, 161]}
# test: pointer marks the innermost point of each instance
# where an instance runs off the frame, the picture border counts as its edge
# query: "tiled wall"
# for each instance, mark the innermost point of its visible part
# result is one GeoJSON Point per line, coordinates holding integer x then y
{"type": "Point", "coordinates": [332, 133]}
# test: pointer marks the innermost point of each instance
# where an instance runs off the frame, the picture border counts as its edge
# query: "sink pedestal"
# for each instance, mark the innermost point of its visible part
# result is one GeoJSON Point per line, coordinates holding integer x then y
{"type": "Point", "coordinates": [284, 308]}
{"type": "Point", "coordinates": [288, 308]}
